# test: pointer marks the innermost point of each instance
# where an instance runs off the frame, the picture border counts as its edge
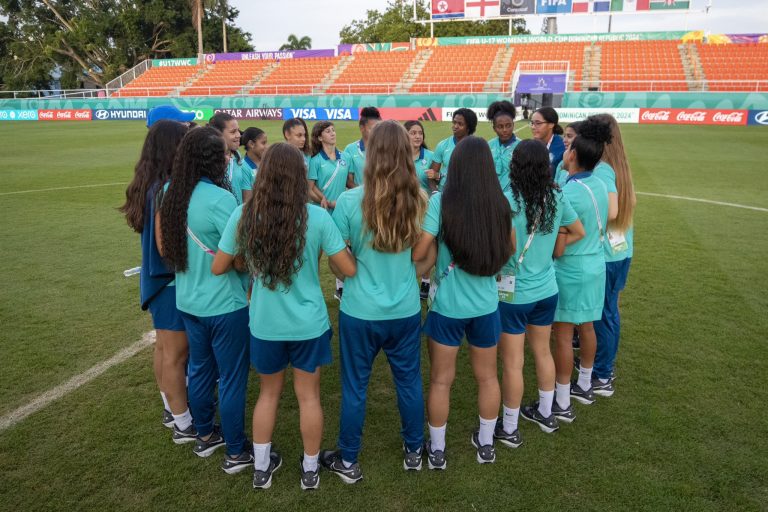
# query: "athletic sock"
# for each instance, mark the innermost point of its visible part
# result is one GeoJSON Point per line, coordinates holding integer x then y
{"type": "Point", "coordinates": [604, 381]}
{"type": "Point", "coordinates": [563, 395]}
{"type": "Point", "coordinates": [437, 438]}
{"type": "Point", "coordinates": [545, 402]}
{"type": "Point", "coordinates": [510, 419]}
{"type": "Point", "coordinates": [310, 462]}
{"type": "Point", "coordinates": [183, 420]}
{"type": "Point", "coordinates": [346, 464]}
{"type": "Point", "coordinates": [485, 435]}
{"type": "Point", "coordinates": [165, 401]}
{"type": "Point", "coordinates": [339, 284]}
{"type": "Point", "coordinates": [585, 378]}
{"type": "Point", "coordinates": [261, 456]}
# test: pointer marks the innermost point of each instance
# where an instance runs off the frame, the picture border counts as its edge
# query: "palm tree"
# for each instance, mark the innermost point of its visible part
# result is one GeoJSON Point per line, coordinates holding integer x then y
{"type": "Point", "coordinates": [294, 43]}
{"type": "Point", "coordinates": [223, 10]}
{"type": "Point", "coordinates": [197, 21]}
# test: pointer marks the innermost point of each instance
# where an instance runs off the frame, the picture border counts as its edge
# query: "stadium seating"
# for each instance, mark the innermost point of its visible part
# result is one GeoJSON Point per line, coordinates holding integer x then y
{"type": "Point", "coordinates": [573, 53]}
{"type": "Point", "coordinates": [158, 81]}
{"type": "Point", "coordinates": [296, 76]}
{"type": "Point", "coordinates": [226, 78]}
{"type": "Point", "coordinates": [718, 63]}
{"type": "Point", "coordinates": [642, 66]}
{"type": "Point", "coordinates": [456, 69]}
{"type": "Point", "coordinates": [372, 73]}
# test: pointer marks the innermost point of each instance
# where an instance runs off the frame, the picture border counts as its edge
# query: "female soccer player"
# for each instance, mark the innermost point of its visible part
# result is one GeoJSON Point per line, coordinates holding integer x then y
{"type": "Point", "coordinates": [255, 142]}
{"type": "Point", "coordinates": [296, 133]}
{"type": "Point", "coordinates": [422, 159]}
{"type": "Point", "coordinates": [545, 128]}
{"type": "Point", "coordinates": [194, 212]}
{"type": "Point", "coordinates": [528, 289]}
{"type": "Point", "coordinates": [280, 237]}
{"type": "Point", "coordinates": [355, 151]}
{"type": "Point", "coordinates": [156, 289]}
{"type": "Point", "coordinates": [464, 124]}
{"type": "Point", "coordinates": [561, 175]}
{"type": "Point", "coordinates": [472, 221]}
{"type": "Point", "coordinates": [239, 175]}
{"type": "Point", "coordinates": [618, 256]}
{"type": "Point", "coordinates": [580, 267]}
{"type": "Point", "coordinates": [502, 115]}
{"type": "Point", "coordinates": [380, 309]}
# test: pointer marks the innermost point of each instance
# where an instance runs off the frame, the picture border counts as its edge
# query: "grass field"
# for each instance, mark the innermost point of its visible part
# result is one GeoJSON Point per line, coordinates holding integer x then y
{"type": "Point", "coordinates": [686, 429]}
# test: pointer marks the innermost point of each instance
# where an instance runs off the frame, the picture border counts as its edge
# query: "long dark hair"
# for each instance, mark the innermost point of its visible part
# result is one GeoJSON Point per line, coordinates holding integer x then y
{"type": "Point", "coordinates": [272, 230]}
{"type": "Point", "coordinates": [532, 182]}
{"type": "Point", "coordinates": [219, 121]}
{"type": "Point", "coordinates": [152, 169]}
{"type": "Point", "coordinates": [550, 115]}
{"type": "Point", "coordinates": [476, 219]}
{"type": "Point", "coordinates": [201, 154]}
{"type": "Point", "coordinates": [410, 124]}
{"type": "Point", "coordinates": [297, 121]}
{"type": "Point", "coordinates": [318, 130]}
{"type": "Point", "coordinates": [589, 144]}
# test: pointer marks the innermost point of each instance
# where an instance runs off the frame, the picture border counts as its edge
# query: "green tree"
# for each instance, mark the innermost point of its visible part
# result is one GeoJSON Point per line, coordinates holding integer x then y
{"type": "Point", "coordinates": [396, 24]}
{"type": "Point", "coordinates": [294, 43]}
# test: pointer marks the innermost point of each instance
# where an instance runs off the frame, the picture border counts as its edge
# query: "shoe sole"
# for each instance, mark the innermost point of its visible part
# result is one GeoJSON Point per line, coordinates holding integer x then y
{"type": "Point", "coordinates": [184, 440]}
{"type": "Point", "coordinates": [565, 419]}
{"type": "Point", "coordinates": [411, 468]}
{"type": "Point", "coordinates": [582, 400]}
{"type": "Point", "coordinates": [544, 428]}
{"type": "Point", "coordinates": [480, 460]}
{"type": "Point", "coordinates": [436, 468]}
{"type": "Point", "coordinates": [508, 443]}
{"type": "Point", "coordinates": [603, 392]}
{"type": "Point", "coordinates": [345, 478]}
{"type": "Point", "coordinates": [238, 468]}
{"type": "Point", "coordinates": [209, 451]}
{"type": "Point", "coordinates": [168, 425]}
{"type": "Point", "coordinates": [269, 482]}
{"type": "Point", "coordinates": [310, 487]}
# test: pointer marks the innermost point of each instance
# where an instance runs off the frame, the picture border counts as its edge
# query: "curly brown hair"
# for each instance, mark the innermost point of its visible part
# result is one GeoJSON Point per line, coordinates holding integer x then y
{"type": "Point", "coordinates": [201, 154]}
{"type": "Point", "coordinates": [393, 201]}
{"type": "Point", "coordinates": [272, 231]}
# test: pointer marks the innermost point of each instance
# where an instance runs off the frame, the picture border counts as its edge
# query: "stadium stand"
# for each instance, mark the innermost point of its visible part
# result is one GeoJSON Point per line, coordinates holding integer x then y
{"type": "Point", "coordinates": [718, 61]}
{"type": "Point", "coordinates": [226, 78]}
{"type": "Point", "coordinates": [453, 69]}
{"type": "Point", "coordinates": [159, 81]}
{"type": "Point", "coordinates": [296, 76]}
{"type": "Point", "coordinates": [642, 66]}
{"type": "Point", "coordinates": [372, 73]}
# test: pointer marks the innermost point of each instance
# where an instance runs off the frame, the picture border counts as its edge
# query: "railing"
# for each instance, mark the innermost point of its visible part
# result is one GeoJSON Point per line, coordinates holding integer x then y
{"type": "Point", "coordinates": [667, 85]}
{"type": "Point", "coordinates": [128, 76]}
{"type": "Point", "coordinates": [53, 94]}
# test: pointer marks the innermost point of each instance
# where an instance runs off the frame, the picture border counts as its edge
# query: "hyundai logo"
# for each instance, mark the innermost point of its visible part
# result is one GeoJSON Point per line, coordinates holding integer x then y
{"type": "Point", "coordinates": [102, 114]}
{"type": "Point", "coordinates": [762, 117]}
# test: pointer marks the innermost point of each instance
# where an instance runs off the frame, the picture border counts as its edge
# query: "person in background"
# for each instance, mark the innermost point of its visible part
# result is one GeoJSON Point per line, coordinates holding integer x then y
{"type": "Point", "coordinates": [355, 151]}
{"type": "Point", "coordinates": [545, 128]}
{"type": "Point", "coordinates": [464, 124]}
{"type": "Point", "coordinates": [254, 140]}
{"type": "Point", "coordinates": [239, 175]}
{"type": "Point", "coordinates": [296, 133]}
{"type": "Point", "coordinates": [422, 159]}
{"type": "Point", "coordinates": [502, 116]}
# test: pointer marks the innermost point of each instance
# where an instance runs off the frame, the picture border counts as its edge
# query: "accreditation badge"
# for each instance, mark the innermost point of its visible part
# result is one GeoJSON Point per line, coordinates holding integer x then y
{"type": "Point", "coordinates": [506, 286]}
{"type": "Point", "coordinates": [618, 241]}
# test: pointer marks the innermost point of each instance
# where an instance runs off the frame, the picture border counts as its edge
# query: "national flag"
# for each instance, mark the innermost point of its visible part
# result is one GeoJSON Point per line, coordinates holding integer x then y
{"type": "Point", "coordinates": [482, 8]}
{"type": "Point", "coordinates": [630, 5]}
{"type": "Point", "coordinates": [669, 4]}
{"type": "Point", "coordinates": [447, 9]}
{"type": "Point", "coordinates": [591, 5]}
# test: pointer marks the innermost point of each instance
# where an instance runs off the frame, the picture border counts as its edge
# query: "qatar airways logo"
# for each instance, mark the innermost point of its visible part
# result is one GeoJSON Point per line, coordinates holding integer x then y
{"type": "Point", "coordinates": [698, 116]}
{"type": "Point", "coordinates": [661, 115]}
{"type": "Point", "coordinates": [730, 117]}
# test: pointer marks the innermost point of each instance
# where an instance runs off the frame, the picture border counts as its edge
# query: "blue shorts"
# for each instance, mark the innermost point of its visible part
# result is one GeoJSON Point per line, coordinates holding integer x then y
{"type": "Point", "coordinates": [164, 313]}
{"type": "Point", "coordinates": [270, 357]}
{"type": "Point", "coordinates": [481, 331]}
{"type": "Point", "coordinates": [515, 317]}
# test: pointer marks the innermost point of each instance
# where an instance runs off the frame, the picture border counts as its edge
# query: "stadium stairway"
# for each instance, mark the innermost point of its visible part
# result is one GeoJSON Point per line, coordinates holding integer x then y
{"type": "Point", "coordinates": [333, 74]}
{"type": "Point", "coordinates": [256, 80]}
{"type": "Point", "coordinates": [590, 72]}
{"type": "Point", "coordinates": [411, 74]}
{"type": "Point", "coordinates": [194, 78]}
{"type": "Point", "coordinates": [694, 73]}
{"type": "Point", "coordinates": [495, 80]}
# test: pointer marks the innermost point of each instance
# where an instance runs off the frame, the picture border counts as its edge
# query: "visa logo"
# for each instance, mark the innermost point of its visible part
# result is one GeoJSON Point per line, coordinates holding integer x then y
{"type": "Point", "coordinates": [338, 113]}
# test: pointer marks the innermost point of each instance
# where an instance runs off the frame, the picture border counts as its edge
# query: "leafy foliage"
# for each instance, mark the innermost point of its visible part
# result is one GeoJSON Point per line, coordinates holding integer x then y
{"type": "Point", "coordinates": [294, 43]}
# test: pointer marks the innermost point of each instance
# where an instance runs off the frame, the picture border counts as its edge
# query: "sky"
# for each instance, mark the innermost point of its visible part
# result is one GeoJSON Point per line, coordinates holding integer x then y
{"type": "Point", "coordinates": [322, 20]}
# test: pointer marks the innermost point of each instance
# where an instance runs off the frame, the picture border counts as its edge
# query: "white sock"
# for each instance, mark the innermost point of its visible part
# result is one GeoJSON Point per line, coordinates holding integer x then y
{"type": "Point", "coordinates": [165, 401]}
{"type": "Point", "coordinates": [585, 378]}
{"type": "Point", "coordinates": [425, 280]}
{"type": "Point", "coordinates": [437, 437]}
{"type": "Point", "coordinates": [183, 420]}
{"type": "Point", "coordinates": [485, 436]}
{"type": "Point", "coordinates": [603, 381]}
{"type": "Point", "coordinates": [347, 465]}
{"type": "Point", "coordinates": [339, 284]}
{"type": "Point", "coordinates": [545, 402]}
{"type": "Point", "coordinates": [261, 456]}
{"type": "Point", "coordinates": [563, 395]}
{"type": "Point", "coordinates": [310, 461]}
{"type": "Point", "coordinates": [510, 419]}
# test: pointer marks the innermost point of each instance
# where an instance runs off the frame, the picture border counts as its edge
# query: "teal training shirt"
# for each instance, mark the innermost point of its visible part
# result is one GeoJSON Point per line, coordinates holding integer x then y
{"type": "Point", "coordinates": [502, 156]}
{"type": "Point", "coordinates": [423, 164]}
{"type": "Point", "coordinates": [442, 156]}
{"type": "Point", "coordinates": [582, 202]}
{"type": "Point", "coordinates": [354, 154]}
{"type": "Point", "coordinates": [330, 176]}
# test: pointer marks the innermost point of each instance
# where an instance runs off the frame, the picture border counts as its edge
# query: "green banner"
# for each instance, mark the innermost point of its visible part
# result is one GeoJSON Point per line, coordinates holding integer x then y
{"type": "Point", "coordinates": [174, 62]}
{"type": "Point", "coordinates": [551, 38]}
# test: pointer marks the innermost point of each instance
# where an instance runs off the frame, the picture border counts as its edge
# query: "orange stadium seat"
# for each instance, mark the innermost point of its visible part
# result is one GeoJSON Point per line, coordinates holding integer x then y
{"type": "Point", "coordinates": [751, 74]}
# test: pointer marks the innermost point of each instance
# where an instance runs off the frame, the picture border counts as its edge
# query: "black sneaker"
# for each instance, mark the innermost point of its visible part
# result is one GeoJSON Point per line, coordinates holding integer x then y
{"type": "Point", "coordinates": [263, 479]}
{"type": "Point", "coordinates": [585, 396]}
{"type": "Point", "coordinates": [566, 415]}
{"type": "Point", "coordinates": [411, 460]}
{"type": "Point", "coordinates": [424, 290]}
{"type": "Point", "coordinates": [184, 436]}
{"type": "Point", "coordinates": [486, 454]}
{"type": "Point", "coordinates": [575, 342]}
{"type": "Point", "coordinates": [238, 463]}
{"type": "Point", "coordinates": [576, 363]}
{"type": "Point", "coordinates": [331, 460]}
{"type": "Point", "coordinates": [167, 418]}
{"type": "Point", "coordinates": [512, 440]}
{"type": "Point", "coordinates": [531, 413]}
{"type": "Point", "coordinates": [602, 389]}
{"type": "Point", "coordinates": [214, 442]}
{"type": "Point", "coordinates": [338, 293]}
{"type": "Point", "coordinates": [310, 480]}
{"type": "Point", "coordinates": [435, 459]}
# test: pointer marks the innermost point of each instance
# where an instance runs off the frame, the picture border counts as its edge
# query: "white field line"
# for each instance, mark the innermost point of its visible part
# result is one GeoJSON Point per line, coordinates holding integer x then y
{"type": "Point", "coordinates": [696, 199]}
{"type": "Point", "coordinates": [75, 382]}
{"type": "Point", "coordinates": [61, 188]}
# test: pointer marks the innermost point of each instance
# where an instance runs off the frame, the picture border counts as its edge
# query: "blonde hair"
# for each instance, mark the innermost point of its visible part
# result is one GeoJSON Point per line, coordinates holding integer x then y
{"type": "Point", "coordinates": [615, 156]}
{"type": "Point", "coordinates": [393, 201]}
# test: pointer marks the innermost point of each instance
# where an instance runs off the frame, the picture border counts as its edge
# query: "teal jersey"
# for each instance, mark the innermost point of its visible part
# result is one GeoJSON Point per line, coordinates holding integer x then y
{"type": "Point", "coordinates": [385, 285]}
{"type": "Point", "coordinates": [354, 154]}
{"type": "Point", "coordinates": [330, 176]}
{"type": "Point", "coordinates": [535, 276]}
{"type": "Point", "coordinates": [198, 291]}
{"type": "Point", "coordinates": [240, 177]}
{"type": "Point", "coordinates": [575, 191]}
{"type": "Point", "coordinates": [630, 241]}
{"type": "Point", "coordinates": [502, 156]}
{"type": "Point", "coordinates": [298, 312]}
{"type": "Point", "coordinates": [307, 158]}
{"type": "Point", "coordinates": [606, 173]}
{"type": "Point", "coordinates": [561, 175]}
{"type": "Point", "coordinates": [442, 156]}
{"type": "Point", "coordinates": [459, 294]}
{"type": "Point", "coordinates": [423, 163]}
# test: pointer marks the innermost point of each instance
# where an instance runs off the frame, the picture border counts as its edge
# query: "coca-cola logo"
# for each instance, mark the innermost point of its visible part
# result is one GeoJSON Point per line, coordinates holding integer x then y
{"type": "Point", "coordinates": [64, 114]}
{"type": "Point", "coordinates": [728, 117]}
{"type": "Point", "coordinates": [45, 114]}
{"type": "Point", "coordinates": [661, 115]}
{"type": "Point", "coordinates": [83, 114]}
{"type": "Point", "coordinates": [698, 116]}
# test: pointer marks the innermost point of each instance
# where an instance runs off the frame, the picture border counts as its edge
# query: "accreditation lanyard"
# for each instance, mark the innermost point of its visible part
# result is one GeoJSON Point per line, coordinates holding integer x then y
{"type": "Point", "coordinates": [335, 172]}
{"type": "Point", "coordinates": [433, 289]}
{"type": "Point", "coordinates": [597, 210]}
{"type": "Point", "coordinates": [199, 242]}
